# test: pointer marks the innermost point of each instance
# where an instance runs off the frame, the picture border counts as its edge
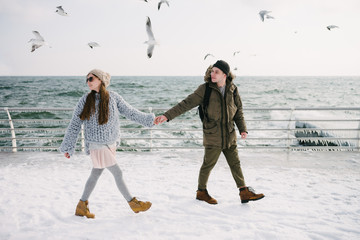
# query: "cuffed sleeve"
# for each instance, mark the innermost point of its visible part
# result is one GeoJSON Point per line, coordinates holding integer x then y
{"type": "Point", "coordinates": [72, 132]}
{"type": "Point", "coordinates": [125, 109]}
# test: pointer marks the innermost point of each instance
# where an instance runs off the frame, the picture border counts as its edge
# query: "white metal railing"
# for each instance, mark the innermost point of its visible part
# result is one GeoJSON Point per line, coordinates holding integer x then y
{"type": "Point", "coordinates": [13, 138]}
{"type": "Point", "coordinates": [269, 128]}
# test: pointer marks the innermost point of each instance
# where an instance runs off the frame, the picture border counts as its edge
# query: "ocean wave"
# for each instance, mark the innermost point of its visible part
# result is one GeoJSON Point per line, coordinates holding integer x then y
{"type": "Point", "coordinates": [34, 115]}
{"type": "Point", "coordinates": [71, 94]}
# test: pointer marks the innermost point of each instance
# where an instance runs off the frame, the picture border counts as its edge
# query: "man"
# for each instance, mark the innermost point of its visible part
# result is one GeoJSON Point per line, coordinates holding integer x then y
{"type": "Point", "coordinates": [223, 111]}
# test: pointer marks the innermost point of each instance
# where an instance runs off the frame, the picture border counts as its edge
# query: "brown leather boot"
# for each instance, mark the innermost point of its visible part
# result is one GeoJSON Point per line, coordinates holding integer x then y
{"type": "Point", "coordinates": [203, 195]}
{"type": "Point", "coordinates": [248, 194]}
{"type": "Point", "coordinates": [82, 209]}
{"type": "Point", "coordinates": [139, 206]}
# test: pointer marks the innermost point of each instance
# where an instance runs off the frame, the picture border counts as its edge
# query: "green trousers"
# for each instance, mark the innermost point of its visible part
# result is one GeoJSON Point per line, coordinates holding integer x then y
{"type": "Point", "coordinates": [210, 159]}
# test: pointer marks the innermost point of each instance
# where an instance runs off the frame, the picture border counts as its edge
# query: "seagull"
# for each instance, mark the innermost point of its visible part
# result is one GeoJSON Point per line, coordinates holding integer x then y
{"type": "Point", "coordinates": [151, 42]}
{"type": "Point", "coordinates": [38, 41]}
{"type": "Point", "coordinates": [61, 11]}
{"type": "Point", "coordinates": [235, 69]}
{"type": "Point", "coordinates": [265, 13]}
{"type": "Point", "coordinates": [208, 55]}
{"type": "Point", "coordinates": [93, 44]}
{"type": "Point", "coordinates": [331, 27]}
{"type": "Point", "coordinates": [161, 2]}
{"type": "Point", "coordinates": [237, 52]}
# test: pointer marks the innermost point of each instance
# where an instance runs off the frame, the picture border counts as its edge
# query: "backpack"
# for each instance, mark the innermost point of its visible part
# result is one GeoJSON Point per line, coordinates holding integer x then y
{"type": "Point", "coordinates": [202, 108]}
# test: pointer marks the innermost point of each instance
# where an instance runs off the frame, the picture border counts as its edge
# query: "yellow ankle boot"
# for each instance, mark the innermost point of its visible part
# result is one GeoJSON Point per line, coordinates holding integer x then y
{"type": "Point", "coordinates": [248, 194]}
{"type": "Point", "coordinates": [139, 206]}
{"type": "Point", "coordinates": [82, 209]}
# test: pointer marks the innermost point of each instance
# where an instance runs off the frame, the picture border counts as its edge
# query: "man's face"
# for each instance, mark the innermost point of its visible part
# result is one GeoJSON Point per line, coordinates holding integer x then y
{"type": "Point", "coordinates": [217, 75]}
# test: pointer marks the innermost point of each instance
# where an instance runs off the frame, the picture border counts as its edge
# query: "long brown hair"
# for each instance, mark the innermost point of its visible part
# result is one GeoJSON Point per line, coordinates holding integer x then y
{"type": "Point", "coordinates": [89, 107]}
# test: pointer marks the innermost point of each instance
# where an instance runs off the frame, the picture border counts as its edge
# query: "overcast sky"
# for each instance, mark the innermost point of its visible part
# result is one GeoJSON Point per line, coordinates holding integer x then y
{"type": "Point", "coordinates": [296, 42]}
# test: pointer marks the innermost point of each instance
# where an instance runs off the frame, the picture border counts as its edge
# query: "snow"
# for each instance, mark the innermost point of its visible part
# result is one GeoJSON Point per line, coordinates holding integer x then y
{"type": "Point", "coordinates": [308, 195]}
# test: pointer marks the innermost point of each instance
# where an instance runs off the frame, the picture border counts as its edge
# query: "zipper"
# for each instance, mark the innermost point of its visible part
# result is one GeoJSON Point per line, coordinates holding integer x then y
{"type": "Point", "coordinates": [221, 118]}
{"type": "Point", "coordinates": [221, 121]}
{"type": "Point", "coordinates": [227, 137]}
{"type": "Point", "coordinates": [223, 103]}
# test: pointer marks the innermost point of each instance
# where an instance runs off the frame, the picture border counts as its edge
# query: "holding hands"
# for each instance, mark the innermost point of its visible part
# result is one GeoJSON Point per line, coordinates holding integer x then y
{"type": "Point", "coordinates": [160, 119]}
{"type": "Point", "coordinates": [243, 135]}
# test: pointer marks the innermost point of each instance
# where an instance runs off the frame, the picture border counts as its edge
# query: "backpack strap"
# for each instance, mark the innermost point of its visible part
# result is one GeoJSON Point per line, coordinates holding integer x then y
{"type": "Point", "coordinates": [206, 98]}
{"type": "Point", "coordinates": [234, 93]}
{"type": "Point", "coordinates": [203, 107]}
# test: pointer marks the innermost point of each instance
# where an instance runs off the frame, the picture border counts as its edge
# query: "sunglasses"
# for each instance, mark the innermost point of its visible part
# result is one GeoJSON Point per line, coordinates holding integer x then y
{"type": "Point", "coordinates": [90, 79]}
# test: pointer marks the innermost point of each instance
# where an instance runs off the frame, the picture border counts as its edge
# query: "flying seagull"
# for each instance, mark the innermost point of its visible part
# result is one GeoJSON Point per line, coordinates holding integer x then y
{"type": "Point", "coordinates": [265, 13]}
{"type": "Point", "coordinates": [38, 41]}
{"type": "Point", "coordinates": [237, 52]}
{"type": "Point", "coordinates": [61, 11]}
{"type": "Point", "coordinates": [161, 2]}
{"type": "Point", "coordinates": [93, 44]}
{"type": "Point", "coordinates": [331, 27]}
{"type": "Point", "coordinates": [151, 42]}
{"type": "Point", "coordinates": [208, 55]}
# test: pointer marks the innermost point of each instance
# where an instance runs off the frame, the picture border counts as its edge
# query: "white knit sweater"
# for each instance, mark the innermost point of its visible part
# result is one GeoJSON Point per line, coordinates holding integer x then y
{"type": "Point", "coordinates": [108, 133]}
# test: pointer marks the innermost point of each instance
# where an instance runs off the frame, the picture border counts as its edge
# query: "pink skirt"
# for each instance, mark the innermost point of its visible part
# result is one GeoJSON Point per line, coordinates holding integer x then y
{"type": "Point", "coordinates": [103, 157]}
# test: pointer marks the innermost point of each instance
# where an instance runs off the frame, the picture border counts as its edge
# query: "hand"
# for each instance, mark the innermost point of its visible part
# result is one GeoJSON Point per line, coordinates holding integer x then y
{"type": "Point", "coordinates": [243, 135]}
{"type": "Point", "coordinates": [67, 155]}
{"type": "Point", "coordinates": [160, 119]}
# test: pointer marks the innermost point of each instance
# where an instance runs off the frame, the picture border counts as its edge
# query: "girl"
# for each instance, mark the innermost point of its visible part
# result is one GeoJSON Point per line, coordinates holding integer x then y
{"type": "Point", "coordinates": [99, 112]}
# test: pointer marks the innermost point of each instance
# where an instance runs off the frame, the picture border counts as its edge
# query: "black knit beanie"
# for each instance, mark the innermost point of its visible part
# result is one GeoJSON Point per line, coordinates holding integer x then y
{"type": "Point", "coordinates": [223, 66]}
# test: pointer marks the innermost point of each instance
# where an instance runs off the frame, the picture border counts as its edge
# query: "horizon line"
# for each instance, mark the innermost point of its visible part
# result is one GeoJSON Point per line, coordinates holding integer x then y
{"type": "Point", "coordinates": [183, 75]}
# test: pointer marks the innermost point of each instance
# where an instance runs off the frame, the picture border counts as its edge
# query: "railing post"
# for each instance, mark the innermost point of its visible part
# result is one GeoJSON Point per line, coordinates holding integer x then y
{"type": "Point", "coordinates": [14, 148]}
{"type": "Point", "coordinates": [288, 127]}
{"type": "Point", "coordinates": [151, 133]}
{"type": "Point", "coordinates": [358, 137]}
{"type": "Point", "coordinates": [82, 138]}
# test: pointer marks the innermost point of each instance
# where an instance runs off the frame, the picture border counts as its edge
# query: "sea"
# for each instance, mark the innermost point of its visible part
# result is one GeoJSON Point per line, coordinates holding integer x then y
{"type": "Point", "coordinates": [164, 92]}
{"type": "Point", "coordinates": [158, 93]}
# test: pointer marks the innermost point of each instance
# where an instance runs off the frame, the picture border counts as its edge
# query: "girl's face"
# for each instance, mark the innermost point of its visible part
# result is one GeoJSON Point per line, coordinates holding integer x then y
{"type": "Point", "coordinates": [93, 82]}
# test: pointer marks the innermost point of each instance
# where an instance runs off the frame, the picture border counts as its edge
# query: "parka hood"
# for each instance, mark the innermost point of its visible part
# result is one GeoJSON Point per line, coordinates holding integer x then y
{"type": "Point", "coordinates": [207, 77]}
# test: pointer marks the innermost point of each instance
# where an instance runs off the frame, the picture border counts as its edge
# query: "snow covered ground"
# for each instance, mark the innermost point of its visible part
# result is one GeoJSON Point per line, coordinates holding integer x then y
{"type": "Point", "coordinates": [308, 195]}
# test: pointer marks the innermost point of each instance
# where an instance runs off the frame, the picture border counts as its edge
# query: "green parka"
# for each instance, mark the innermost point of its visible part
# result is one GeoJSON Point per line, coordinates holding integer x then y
{"type": "Point", "coordinates": [223, 113]}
